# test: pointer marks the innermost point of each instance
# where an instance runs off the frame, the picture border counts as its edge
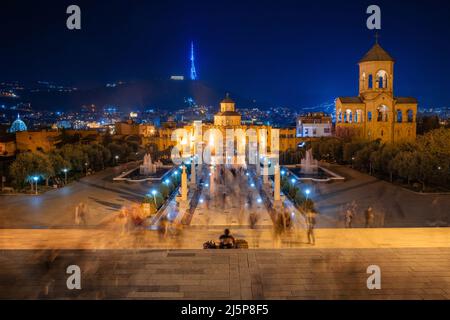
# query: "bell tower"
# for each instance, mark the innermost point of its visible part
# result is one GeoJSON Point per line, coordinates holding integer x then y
{"type": "Point", "coordinates": [376, 73]}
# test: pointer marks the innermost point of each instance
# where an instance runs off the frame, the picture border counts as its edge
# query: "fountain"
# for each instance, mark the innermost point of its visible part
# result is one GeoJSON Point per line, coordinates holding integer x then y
{"type": "Point", "coordinates": [148, 167]}
{"type": "Point", "coordinates": [309, 165]}
{"type": "Point", "coordinates": [310, 170]}
{"type": "Point", "coordinates": [147, 171]}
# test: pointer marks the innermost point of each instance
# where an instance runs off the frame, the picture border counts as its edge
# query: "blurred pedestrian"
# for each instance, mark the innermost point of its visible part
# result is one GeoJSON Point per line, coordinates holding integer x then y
{"type": "Point", "coordinates": [162, 228]}
{"type": "Point", "coordinates": [77, 215]}
{"type": "Point", "coordinates": [253, 220]}
{"type": "Point", "coordinates": [311, 224]}
{"type": "Point", "coordinates": [348, 218]}
{"type": "Point", "coordinates": [370, 217]}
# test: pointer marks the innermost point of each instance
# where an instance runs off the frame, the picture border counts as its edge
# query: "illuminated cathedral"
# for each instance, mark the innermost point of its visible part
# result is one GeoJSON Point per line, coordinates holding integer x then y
{"type": "Point", "coordinates": [376, 113]}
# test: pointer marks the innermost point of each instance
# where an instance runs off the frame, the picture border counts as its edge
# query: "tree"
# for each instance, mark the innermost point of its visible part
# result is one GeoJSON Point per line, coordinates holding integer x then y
{"type": "Point", "coordinates": [427, 123]}
{"type": "Point", "coordinates": [74, 155]}
{"type": "Point", "coordinates": [28, 165]}
{"type": "Point", "coordinates": [58, 163]}
{"type": "Point", "coordinates": [404, 165]}
{"type": "Point", "coordinates": [44, 167]}
{"type": "Point", "coordinates": [21, 169]}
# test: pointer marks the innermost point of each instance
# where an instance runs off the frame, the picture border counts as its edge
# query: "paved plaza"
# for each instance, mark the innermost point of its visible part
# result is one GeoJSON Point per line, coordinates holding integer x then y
{"type": "Point", "coordinates": [38, 241]}
{"type": "Point", "coordinates": [415, 273]}
{"type": "Point", "coordinates": [393, 205]}
{"type": "Point", "coordinates": [56, 208]}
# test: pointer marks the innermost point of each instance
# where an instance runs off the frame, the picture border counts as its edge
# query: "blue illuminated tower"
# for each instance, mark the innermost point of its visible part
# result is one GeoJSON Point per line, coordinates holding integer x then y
{"type": "Point", "coordinates": [193, 71]}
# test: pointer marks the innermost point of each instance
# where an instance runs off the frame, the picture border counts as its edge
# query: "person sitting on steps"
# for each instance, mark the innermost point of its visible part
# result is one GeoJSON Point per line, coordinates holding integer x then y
{"type": "Point", "coordinates": [227, 241]}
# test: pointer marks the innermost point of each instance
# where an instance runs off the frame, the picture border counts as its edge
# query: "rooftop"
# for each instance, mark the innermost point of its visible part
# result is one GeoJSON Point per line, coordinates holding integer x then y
{"type": "Point", "coordinates": [377, 53]}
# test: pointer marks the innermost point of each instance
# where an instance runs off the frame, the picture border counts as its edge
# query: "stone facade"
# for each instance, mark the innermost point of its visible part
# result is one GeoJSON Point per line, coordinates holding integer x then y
{"type": "Point", "coordinates": [376, 113]}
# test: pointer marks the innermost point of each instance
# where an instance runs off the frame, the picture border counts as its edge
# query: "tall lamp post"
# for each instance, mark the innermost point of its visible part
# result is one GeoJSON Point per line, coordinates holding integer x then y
{"type": "Point", "coordinates": [86, 166]}
{"type": "Point", "coordinates": [65, 175]}
{"type": "Point", "coordinates": [36, 179]}
{"type": "Point", "coordinates": [154, 197]}
{"type": "Point", "coordinates": [307, 192]}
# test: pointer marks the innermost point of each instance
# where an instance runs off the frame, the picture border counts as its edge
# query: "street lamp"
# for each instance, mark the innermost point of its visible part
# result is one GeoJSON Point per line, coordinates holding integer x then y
{"type": "Point", "coordinates": [86, 166]}
{"type": "Point", "coordinates": [117, 159]}
{"type": "Point", "coordinates": [293, 180]}
{"type": "Point", "coordinates": [154, 197]}
{"type": "Point", "coordinates": [65, 175]}
{"type": "Point", "coordinates": [36, 179]}
{"type": "Point", "coordinates": [307, 192]}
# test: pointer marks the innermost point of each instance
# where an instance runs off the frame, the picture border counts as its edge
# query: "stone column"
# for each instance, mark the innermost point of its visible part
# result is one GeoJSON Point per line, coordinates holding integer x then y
{"type": "Point", "coordinates": [276, 187]}
{"type": "Point", "coordinates": [212, 184]}
{"type": "Point", "coordinates": [193, 173]}
{"type": "Point", "coordinates": [258, 165]}
{"type": "Point", "coordinates": [184, 186]}
{"type": "Point", "coordinates": [266, 171]}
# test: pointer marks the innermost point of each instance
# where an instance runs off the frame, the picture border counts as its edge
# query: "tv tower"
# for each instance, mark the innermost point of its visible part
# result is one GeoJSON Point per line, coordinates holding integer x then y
{"type": "Point", "coordinates": [193, 71]}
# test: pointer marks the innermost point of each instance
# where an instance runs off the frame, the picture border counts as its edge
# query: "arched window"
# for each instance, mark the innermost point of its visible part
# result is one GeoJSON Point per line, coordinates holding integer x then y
{"type": "Point", "coordinates": [339, 117]}
{"type": "Point", "coordinates": [382, 114]}
{"type": "Point", "coordinates": [369, 116]}
{"type": "Point", "coordinates": [370, 82]}
{"type": "Point", "coordinates": [399, 116]}
{"type": "Point", "coordinates": [381, 133]}
{"type": "Point", "coordinates": [349, 116]}
{"type": "Point", "coordinates": [382, 79]}
{"type": "Point", "coordinates": [410, 116]}
{"type": "Point", "coordinates": [359, 116]}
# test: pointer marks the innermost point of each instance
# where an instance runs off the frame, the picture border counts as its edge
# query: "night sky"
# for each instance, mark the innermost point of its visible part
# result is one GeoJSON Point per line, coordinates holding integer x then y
{"type": "Point", "coordinates": [287, 53]}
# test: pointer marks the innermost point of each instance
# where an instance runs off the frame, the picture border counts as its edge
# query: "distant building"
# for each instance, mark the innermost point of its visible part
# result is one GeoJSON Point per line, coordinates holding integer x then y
{"type": "Point", "coordinates": [376, 113]}
{"type": "Point", "coordinates": [132, 128]}
{"type": "Point", "coordinates": [17, 126]}
{"type": "Point", "coordinates": [7, 146]}
{"type": "Point", "coordinates": [314, 125]}
{"type": "Point", "coordinates": [227, 115]}
{"type": "Point", "coordinates": [45, 140]}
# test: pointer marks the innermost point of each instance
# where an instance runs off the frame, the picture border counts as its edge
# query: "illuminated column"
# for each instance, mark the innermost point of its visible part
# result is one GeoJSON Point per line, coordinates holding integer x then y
{"type": "Point", "coordinates": [276, 187]}
{"type": "Point", "coordinates": [258, 164]}
{"type": "Point", "coordinates": [212, 185]}
{"type": "Point", "coordinates": [193, 173]}
{"type": "Point", "coordinates": [184, 186]}
{"type": "Point", "coordinates": [266, 171]}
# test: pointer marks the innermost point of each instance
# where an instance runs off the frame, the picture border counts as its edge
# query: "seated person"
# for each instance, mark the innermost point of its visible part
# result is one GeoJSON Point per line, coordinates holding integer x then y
{"type": "Point", "coordinates": [226, 240]}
